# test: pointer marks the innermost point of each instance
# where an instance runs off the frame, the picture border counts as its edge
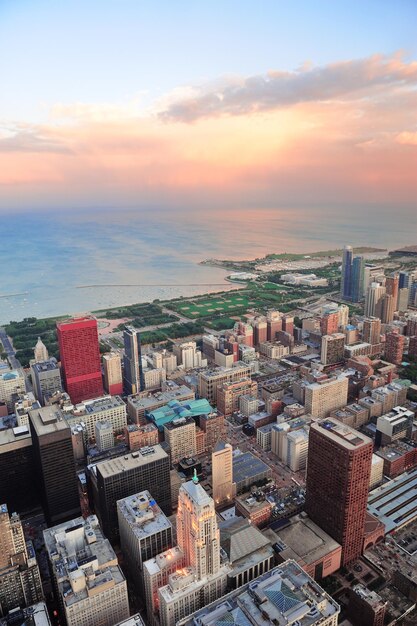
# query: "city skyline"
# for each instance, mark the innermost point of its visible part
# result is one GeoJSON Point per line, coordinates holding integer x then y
{"type": "Point", "coordinates": [227, 107]}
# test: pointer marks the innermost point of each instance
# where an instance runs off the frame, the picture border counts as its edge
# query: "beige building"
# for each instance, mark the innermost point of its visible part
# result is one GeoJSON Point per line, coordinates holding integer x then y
{"type": "Point", "coordinates": [41, 352]}
{"type": "Point", "coordinates": [110, 409]}
{"type": "Point", "coordinates": [188, 356]}
{"type": "Point", "coordinates": [332, 348]}
{"type": "Point", "coordinates": [153, 378]}
{"type": "Point", "coordinates": [104, 435]}
{"type": "Point", "coordinates": [273, 349]}
{"type": "Point", "coordinates": [156, 573]}
{"type": "Point", "coordinates": [112, 366]}
{"type": "Point", "coordinates": [228, 394]}
{"type": "Point", "coordinates": [11, 382]}
{"type": "Point", "coordinates": [210, 380]}
{"type": "Point", "coordinates": [224, 489]}
{"type": "Point", "coordinates": [138, 404]}
{"type": "Point", "coordinates": [90, 586]}
{"type": "Point", "coordinates": [325, 396]}
{"type": "Point", "coordinates": [377, 472]}
{"type": "Point", "coordinates": [180, 434]}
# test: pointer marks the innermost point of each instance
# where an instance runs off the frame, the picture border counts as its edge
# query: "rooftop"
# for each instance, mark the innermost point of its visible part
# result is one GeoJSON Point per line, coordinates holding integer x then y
{"type": "Point", "coordinates": [175, 392]}
{"type": "Point", "coordinates": [394, 503]}
{"type": "Point", "coordinates": [246, 465]}
{"type": "Point", "coordinates": [35, 615]}
{"type": "Point", "coordinates": [175, 409]}
{"type": "Point", "coordinates": [47, 420]}
{"type": "Point", "coordinates": [46, 366]}
{"type": "Point", "coordinates": [285, 595]}
{"type": "Point", "coordinates": [143, 515]}
{"type": "Point", "coordinates": [341, 434]}
{"type": "Point", "coordinates": [131, 461]}
{"type": "Point", "coordinates": [104, 403]}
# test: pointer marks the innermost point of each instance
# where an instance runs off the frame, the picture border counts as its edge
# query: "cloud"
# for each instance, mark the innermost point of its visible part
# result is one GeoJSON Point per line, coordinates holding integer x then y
{"type": "Point", "coordinates": [353, 79]}
{"type": "Point", "coordinates": [31, 140]}
{"type": "Point", "coordinates": [407, 138]}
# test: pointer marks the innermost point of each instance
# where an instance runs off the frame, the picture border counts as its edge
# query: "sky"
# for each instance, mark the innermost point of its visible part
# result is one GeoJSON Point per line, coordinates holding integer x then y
{"type": "Point", "coordinates": [118, 104]}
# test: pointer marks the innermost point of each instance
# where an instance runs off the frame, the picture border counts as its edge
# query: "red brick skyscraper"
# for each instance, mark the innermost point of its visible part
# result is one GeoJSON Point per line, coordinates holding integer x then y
{"type": "Point", "coordinates": [338, 472]}
{"type": "Point", "coordinates": [80, 358]}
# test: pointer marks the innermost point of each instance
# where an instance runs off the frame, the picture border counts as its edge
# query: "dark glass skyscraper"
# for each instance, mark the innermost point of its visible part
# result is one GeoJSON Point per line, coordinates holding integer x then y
{"type": "Point", "coordinates": [133, 379]}
{"type": "Point", "coordinates": [356, 286]}
{"type": "Point", "coordinates": [345, 287]}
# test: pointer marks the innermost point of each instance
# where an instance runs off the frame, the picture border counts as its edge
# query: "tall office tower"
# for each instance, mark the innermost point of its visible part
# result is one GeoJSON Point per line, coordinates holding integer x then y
{"type": "Point", "coordinates": [41, 352]}
{"type": "Point", "coordinates": [394, 348]}
{"type": "Point", "coordinates": [325, 396]}
{"type": "Point", "coordinates": [288, 324]}
{"type": "Point", "coordinates": [403, 280]}
{"type": "Point", "coordinates": [46, 378]}
{"type": "Point", "coordinates": [80, 358]}
{"type": "Point", "coordinates": [403, 297]}
{"type": "Point", "coordinates": [371, 332]}
{"type": "Point", "coordinates": [387, 308]}
{"type": "Point", "coordinates": [18, 484]}
{"type": "Point", "coordinates": [113, 381]}
{"type": "Point", "coordinates": [332, 348]}
{"type": "Point", "coordinates": [228, 394]}
{"type": "Point", "coordinates": [20, 581]}
{"type": "Point", "coordinates": [144, 532]}
{"type": "Point", "coordinates": [55, 466]}
{"type": "Point", "coordinates": [203, 579]}
{"type": "Point", "coordinates": [373, 296]}
{"type": "Point", "coordinates": [224, 489]}
{"type": "Point", "coordinates": [329, 323]}
{"type": "Point", "coordinates": [11, 382]}
{"type": "Point", "coordinates": [273, 323]}
{"type": "Point", "coordinates": [180, 435]}
{"type": "Point", "coordinates": [412, 348]}
{"type": "Point", "coordinates": [412, 325]}
{"type": "Point", "coordinates": [346, 281]}
{"type": "Point", "coordinates": [338, 472]}
{"type": "Point", "coordinates": [343, 311]}
{"type": "Point", "coordinates": [117, 478]}
{"type": "Point", "coordinates": [356, 287]}
{"type": "Point", "coordinates": [260, 328]}
{"type": "Point", "coordinates": [89, 585]}
{"type": "Point", "coordinates": [392, 285]}
{"type": "Point", "coordinates": [133, 379]}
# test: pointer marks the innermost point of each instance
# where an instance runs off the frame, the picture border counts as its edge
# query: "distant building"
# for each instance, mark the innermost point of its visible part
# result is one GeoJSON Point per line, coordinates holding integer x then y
{"type": "Point", "coordinates": [11, 382]}
{"type": "Point", "coordinates": [133, 380]}
{"type": "Point", "coordinates": [40, 351]}
{"type": "Point", "coordinates": [394, 348]}
{"type": "Point", "coordinates": [80, 358]}
{"type": "Point", "coordinates": [210, 380]}
{"type": "Point", "coordinates": [374, 296]}
{"type": "Point", "coordinates": [46, 379]}
{"type": "Point", "coordinates": [89, 585]}
{"type": "Point", "coordinates": [223, 486]}
{"type": "Point", "coordinates": [332, 348]}
{"type": "Point", "coordinates": [346, 282]}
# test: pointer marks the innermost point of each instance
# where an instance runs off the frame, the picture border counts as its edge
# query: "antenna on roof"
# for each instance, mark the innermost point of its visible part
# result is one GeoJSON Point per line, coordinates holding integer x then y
{"type": "Point", "coordinates": [195, 477]}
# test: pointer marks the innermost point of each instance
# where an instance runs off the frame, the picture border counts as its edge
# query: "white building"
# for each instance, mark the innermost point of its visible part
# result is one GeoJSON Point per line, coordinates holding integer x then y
{"type": "Point", "coordinates": [11, 382]}
{"type": "Point", "coordinates": [325, 396]}
{"type": "Point", "coordinates": [104, 435]}
{"type": "Point", "coordinates": [189, 356]}
{"type": "Point", "coordinates": [110, 409]}
{"type": "Point", "coordinates": [89, 584]}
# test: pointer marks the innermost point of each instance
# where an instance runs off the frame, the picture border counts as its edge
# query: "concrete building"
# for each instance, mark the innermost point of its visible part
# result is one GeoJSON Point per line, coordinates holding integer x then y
{"type": "Point", "coordinates": [257, 511]}
{"type": "Point", "coordinates": [213, 426]}
{"type": "Point", "coordinates": [139, 405]}
{"type": "Point", "coordinates": [286, 595]}
{"type": "Point", "coordinates": [210, 380]}
{"type": "Point", "coordinates": [374, 295]}
{"type": "Point", "coordinates": [140, 436]}
{"type": "Point", "coordinates": [188, 356]}
{"type": "Point", "coordinates": [180, 435]}
{"type": "Point", "coordinates": [35, 615]}
{"type": "Point", "coordinates": [54, 462]}
{"type": "Point", "coordinates": [394, 348]}
{"type": "Point", "coordinates": [228, 394]}
{"type": "Point", "coordinates": [395, 425]}
{"type": "Point", "coordinates": [153, 378]}
{"type": "Point", "coordinates": [133, 381]}
{"type": "Point", "coordinates": [248, 469]}
{"type": "Point", "coordinates": [144, 532]}
{"type": "Point", "coordinates": [263, 436]}
{"type": "Point", "coordinates": [11, 382]}
{"type": "Point", "coordinates": [306, 543]}
{"type": "Point", "coordinates": [89, 585]}
{"type": "Point", "coordinates": [156, 573]}
{"type": "Point", "coordinates": [274, 324]}
{"type": "Point", "coordinates": [325, 396]}
{"type": "Point", "coordinates": [248, 404]}
{"type": "Point", "coordinates": [40, 351]}
{"type": "Point", "coordinates": [113, 380]}
{"type": "Point", "coordinates": [110, 409]}
{"type": "Point", "coordinates": [20, 581]}
{"type": "Point", "coordinates": [371, 330]}
{"type": "Point", "coordinates": [204, 577]}
{"type": "Point", "coordinates": [377, 472]}
{"type": "Point", "coordinates": [273, 349]}
{"type": "Point", "coordinates": [297, 449]}
{"type": "Point", "coordinates": [117, 478]}
{"type": "Point", "coordinates": [46, 378]}
{"type": "Point", "coordinates": [365, 607]}
{"type": "Point", "coordinates": [260, 330]}
{"type": "Point", "coordinates": [223, 486]}
{"type": "Point", "coordinates": [332, 348]}
{"type": "Point", "coordinates": [339, 465]}
{"type": "Point", "coordinates": [104, 435]}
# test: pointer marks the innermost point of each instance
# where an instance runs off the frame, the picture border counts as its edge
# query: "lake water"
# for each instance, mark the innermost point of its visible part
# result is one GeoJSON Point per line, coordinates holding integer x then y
{"type": "Point", "coordinates": [45, 258]}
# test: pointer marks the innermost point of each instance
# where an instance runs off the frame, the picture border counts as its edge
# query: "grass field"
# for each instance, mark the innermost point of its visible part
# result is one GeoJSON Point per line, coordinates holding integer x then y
{"type": "Point", "coordinates": [213, 306]}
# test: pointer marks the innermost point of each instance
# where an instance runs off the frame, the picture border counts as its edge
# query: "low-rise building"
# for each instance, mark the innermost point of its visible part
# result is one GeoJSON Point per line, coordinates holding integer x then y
{"type": "Point", "coordinates": [105, 409]}
{"type": "Point", "coordinates": [140, 404]}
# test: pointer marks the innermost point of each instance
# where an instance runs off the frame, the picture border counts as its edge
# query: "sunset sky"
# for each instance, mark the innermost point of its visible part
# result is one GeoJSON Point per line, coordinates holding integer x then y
{"type": "Point", "coordinates": [129, 104]}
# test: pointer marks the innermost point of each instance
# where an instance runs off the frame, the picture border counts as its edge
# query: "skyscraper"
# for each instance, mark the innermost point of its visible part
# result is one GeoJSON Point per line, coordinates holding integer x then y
{"type": "Point", "coordinates": [358, 268]}
{"type": "Point", "coordinates": [373, 297]}
{"type": "Point", "coordinates": [345, 286]}
{"type": "Point", "coordinates": [222, 473]}
{"type": "Point", "coordinates": [338, 472]}
{"type": "Point", "coordinates": [387, 308]}
{"type": "Point", "coordinates": [80, 358]}
{"type": "Point", "coordinates": [41, 352]}
{"type": "Point", "coordinates": [392, 285]}
{"type": "Point", "coordinates": [332, 348]}
{"type": "Point", "coordinates": [394, 348]}
{"type": "Point", "coordinates": [55, 466]}
{"type": "Point", "coordinates": [329, 323]}
{"type": "Point", "coordinates": [133, 379]}
{"type": "Point", "coordinates": [113, 381]}
{"type": "Point", "coordinates": [371, 332]}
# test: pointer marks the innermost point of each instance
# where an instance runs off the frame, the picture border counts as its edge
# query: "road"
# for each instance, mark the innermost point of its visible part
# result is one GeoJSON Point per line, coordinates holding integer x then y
{"type": "Point", "coordinates": [8, 348]}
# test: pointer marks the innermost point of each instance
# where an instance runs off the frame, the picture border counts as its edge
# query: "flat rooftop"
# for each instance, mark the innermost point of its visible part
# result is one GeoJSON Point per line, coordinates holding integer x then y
{"type": "Point", "coordinates": [341, 434]}
{"type": "Point", "coordinates": [47, 420]}
{"type": "Point", "coordinates": [98, 405]}
{"type": "Point", "coordinates": [143, 514]}
{"type": "Point", "coordinates": [247, 465]}
{"type": "Point", "coordinates": [161, 397]}
{"type": "Point", "coordinates": [131, 461]}
{"type": "Point", "coordinates": [302, 540]}
{"type": "Point", "coordinates": [395, 502]}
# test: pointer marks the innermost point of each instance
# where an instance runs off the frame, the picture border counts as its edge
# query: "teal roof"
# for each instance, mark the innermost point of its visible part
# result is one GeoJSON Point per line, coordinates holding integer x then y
{"type": "Point", "coordinates": [174, 409]}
